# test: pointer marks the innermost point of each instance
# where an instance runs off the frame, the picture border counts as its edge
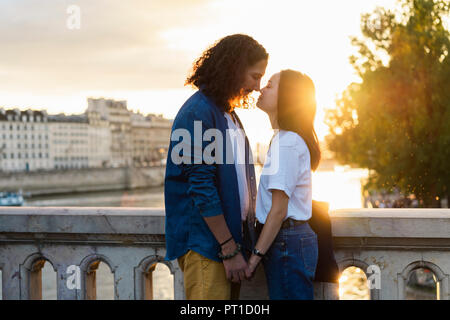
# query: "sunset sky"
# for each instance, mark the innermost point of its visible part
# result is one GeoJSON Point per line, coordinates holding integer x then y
{"type": "Point", "coordinates": [142, 50]}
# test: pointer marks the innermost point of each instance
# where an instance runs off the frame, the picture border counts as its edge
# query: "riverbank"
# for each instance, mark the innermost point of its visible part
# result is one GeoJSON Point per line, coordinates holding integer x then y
{"type": "Point", "coordinates": [152, 197]}
{"type": "Point", "coordinates": [82, 180]}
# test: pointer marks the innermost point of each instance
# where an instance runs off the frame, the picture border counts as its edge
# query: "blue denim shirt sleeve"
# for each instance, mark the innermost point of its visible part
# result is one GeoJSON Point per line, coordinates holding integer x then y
{"type": "Point", "coordinates": [201, 176]}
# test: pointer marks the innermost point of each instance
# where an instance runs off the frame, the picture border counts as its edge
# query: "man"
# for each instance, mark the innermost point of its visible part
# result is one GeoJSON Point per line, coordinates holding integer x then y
{"type": "Point", "coordinates": [208, 203]}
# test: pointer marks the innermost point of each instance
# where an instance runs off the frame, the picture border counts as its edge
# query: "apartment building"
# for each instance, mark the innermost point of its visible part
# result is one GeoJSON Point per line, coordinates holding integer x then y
{"type": "Point", "coordinates": [24, 140]}
{"type": "Point", "coordinates": [106, 135]}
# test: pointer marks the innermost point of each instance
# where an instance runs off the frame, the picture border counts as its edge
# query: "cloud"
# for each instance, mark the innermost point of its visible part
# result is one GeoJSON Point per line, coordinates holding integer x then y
{"type": "Point", "coordinates": [120, 45]}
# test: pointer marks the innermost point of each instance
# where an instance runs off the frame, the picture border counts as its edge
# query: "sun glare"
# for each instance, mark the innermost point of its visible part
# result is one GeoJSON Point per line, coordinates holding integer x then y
{"type": "Point", "coordinates": [339, 186]}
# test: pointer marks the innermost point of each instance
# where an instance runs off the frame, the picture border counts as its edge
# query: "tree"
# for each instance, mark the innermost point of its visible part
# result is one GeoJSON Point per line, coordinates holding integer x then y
{"type": "Point", "coordinates": [396, 121]}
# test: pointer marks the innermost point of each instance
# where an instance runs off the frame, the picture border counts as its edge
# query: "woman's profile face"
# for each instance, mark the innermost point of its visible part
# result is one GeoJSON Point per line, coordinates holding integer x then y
{"type": "Point", "coordinates": [268, 99]}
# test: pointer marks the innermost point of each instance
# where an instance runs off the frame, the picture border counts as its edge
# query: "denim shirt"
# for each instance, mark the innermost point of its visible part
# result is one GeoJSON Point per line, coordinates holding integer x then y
{"type": "Point", "coordinates": [195, 189]}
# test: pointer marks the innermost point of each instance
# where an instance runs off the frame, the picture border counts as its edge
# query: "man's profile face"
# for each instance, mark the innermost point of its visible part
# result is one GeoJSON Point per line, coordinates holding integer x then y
{"type": "Point", "coordinates": [253, 75]}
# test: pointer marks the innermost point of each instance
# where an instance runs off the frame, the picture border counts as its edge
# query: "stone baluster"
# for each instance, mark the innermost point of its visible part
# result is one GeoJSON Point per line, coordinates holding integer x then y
{"type": "Point", "coordinates": [178, 282]}
{"type": "Point", "coordinates": [10, 281]}
{"type": "Point", "coordinates": [124, 283]}
{"type": "Point", "coordinates": [68, 284]}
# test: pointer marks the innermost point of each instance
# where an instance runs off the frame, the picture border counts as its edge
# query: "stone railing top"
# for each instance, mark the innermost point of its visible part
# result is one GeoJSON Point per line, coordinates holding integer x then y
{"type": "Point", "coordinates": [391, 223]}
{"type": "Point", "coordinates": [351, 223]}
{"type": "Point", "coordinates": [82, 220]}
{"type": "Point", "coordinates": [399, 213]}
{"type": "Point", "coordinates": [82, 211]}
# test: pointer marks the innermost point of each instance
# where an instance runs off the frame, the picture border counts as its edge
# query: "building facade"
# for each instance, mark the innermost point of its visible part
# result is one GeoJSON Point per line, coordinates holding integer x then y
{"type": "Point", "coordinates": [106, 135]}
{"type": "Point", "coordinates": [150, 139]}
{"type": "Point", "coordinates": [136, 140]}
{"type": "Point", "coordinates": [118, 117]}
{"type": "Point", "coordinates": [24, 140]}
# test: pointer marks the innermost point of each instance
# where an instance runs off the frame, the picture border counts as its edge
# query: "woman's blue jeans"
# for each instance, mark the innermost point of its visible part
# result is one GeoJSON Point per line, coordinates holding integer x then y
{"type": "Point", "coordinates": [290, 264]}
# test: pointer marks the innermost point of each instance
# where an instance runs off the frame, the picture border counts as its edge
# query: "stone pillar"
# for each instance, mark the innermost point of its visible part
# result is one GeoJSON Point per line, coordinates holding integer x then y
{"type": "Point", "coordinates": [11, 281]}
{"type": "Point", "coordinates": [178, 282]}
{"type": "Point", "coordinates": [63, 291]}
{"type": "Point", "coordinates": [326, 291]}
{"type": "Point", "coordinates": [445, 289]}
{"type": "Point", "coordinates": [124, 283]}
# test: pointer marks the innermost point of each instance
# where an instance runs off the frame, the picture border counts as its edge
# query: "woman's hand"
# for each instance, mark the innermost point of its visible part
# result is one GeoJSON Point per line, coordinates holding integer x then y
{"type": "Point", "coordinates": [253, 263]}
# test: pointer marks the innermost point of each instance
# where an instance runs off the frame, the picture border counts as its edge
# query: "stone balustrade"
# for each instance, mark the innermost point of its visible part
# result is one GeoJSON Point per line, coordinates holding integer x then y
{"type": "Point", "coordinates": [397, 241]}
{"type": "Point", "coordinates": [131, 241]}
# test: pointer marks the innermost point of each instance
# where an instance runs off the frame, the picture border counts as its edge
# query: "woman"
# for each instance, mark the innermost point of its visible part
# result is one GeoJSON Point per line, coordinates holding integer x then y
{"type": "Point", "coordinates": [287, 245]}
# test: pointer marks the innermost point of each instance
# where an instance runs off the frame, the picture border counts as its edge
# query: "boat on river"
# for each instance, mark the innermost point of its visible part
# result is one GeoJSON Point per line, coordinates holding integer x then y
{"type": "Point", "coordinates": [11, 199]}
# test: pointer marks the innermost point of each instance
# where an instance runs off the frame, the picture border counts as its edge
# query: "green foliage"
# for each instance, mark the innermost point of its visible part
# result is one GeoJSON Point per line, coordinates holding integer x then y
{"type": "Point", "coordinates": [396, 122]}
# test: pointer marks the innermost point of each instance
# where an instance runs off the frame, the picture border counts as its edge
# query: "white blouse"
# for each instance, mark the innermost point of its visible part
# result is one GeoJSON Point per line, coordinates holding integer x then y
{"type": "Point", "coordinates": [287, 168]}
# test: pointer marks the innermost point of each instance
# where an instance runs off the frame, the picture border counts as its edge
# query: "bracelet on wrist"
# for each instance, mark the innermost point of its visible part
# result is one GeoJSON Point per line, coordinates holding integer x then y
{"type": "Point", "coordinates": [231, 238]}
{"type": "Point", "coordinates": [258, 253]}
{"type": "Point", "coordinates": [231, 255]}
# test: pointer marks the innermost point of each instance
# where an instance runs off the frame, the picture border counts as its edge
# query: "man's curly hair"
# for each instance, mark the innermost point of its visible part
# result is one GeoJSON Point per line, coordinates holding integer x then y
{"type": "Point", "coordinates": [220, 71]}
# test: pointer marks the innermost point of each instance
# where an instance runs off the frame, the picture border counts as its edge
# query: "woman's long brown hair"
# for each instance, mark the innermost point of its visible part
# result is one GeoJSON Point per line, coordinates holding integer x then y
{"type": "Point", "coordinates": [297, 110]}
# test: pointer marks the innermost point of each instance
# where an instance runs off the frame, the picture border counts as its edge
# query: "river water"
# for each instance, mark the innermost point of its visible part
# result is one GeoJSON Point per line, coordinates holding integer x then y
{"type": "Point", "coordinates": [340, 186]}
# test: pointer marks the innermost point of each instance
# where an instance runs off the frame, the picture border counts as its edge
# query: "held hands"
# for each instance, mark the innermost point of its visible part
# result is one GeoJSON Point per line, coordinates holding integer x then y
{"type": "Point", "coordinates": [253, 263]}
{"type": "Point", "coordinates": [236, 268]}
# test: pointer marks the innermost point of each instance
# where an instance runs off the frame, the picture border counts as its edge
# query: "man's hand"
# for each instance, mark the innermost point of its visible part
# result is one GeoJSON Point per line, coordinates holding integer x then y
{"type": "Point", "coordinates": [236, 268]}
